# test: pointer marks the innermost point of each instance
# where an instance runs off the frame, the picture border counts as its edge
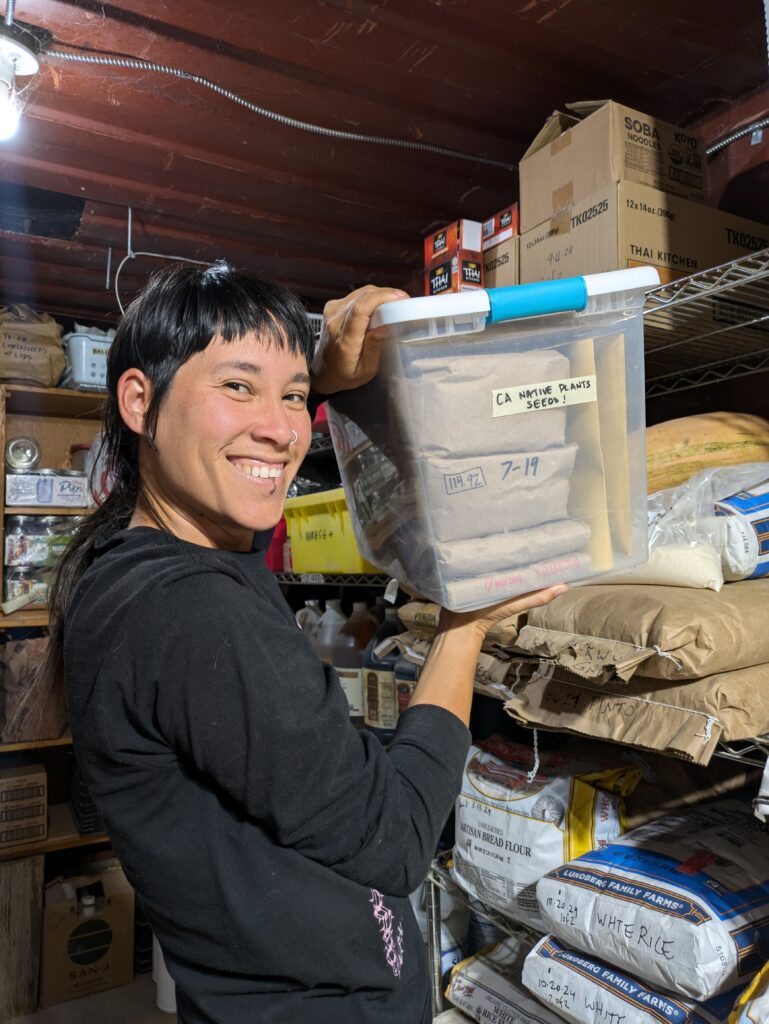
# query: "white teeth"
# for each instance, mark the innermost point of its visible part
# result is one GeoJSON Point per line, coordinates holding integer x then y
{"type": "Point", "coordinates": [262, 472]}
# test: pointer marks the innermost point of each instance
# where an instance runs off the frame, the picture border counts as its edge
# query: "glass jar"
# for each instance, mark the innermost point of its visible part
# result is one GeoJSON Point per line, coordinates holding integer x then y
{"type": "Point", "coordinates": [37, 540]}
{"type": "Point", "coordinates": [27, 581]}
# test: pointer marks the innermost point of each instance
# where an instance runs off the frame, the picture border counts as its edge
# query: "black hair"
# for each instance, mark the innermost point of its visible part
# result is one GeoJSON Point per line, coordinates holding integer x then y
{"type": "Point", "coordinates": [177, 314]}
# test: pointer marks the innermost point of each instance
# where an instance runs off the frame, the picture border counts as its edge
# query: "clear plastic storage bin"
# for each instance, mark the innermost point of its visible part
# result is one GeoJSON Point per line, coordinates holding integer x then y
{"type": "Point", "coordinates": [501, 447]}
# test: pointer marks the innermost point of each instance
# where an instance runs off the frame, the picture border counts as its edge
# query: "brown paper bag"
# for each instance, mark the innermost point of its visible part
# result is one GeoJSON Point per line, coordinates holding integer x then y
{"type": "Point", "coordinates": [30, 347]}
{"type": "Point", "coordinates": [31, 707]}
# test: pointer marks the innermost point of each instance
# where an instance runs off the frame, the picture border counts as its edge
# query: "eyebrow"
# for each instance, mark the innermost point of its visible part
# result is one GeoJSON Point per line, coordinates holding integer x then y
{"type": "Point", "coordinates": [245, 367]}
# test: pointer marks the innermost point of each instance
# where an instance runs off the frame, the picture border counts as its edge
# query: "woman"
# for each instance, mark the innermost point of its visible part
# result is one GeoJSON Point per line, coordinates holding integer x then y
{"type": "Point", "coordinates": [272, 846]}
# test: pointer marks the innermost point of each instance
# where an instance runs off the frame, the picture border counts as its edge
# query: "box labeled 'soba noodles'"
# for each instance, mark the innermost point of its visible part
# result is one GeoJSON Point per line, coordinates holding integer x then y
{"type": "Point", "coordinates": [500, 448]}
{"type": "Point", "coordinates": [512, 826]}
{"type": "Point", "coordinates": [682, 903]}
{"type": "Point", "coordinates": [596, 145]}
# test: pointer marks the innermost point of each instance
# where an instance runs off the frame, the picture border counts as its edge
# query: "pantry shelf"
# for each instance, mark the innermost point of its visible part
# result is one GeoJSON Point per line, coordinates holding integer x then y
{"type": "Point", "coordinates": [752, 752]}
{"type": "Point", "coordinates": [25, 619]}
{"type": "Point", "coordinates": [691, 324]}
{"type": "Point", "coordinates": [321, 446]}
{"type": "Point", "coordinates": [62, 835]}
{"type": "Point", "coordinates": [335, 579]}
{"type": "Point", "coordinates": [45, 510]}
{"type": "Point", "coordinates": [21, 400]}
{"type": "Point", "coordinates": [61, 741]}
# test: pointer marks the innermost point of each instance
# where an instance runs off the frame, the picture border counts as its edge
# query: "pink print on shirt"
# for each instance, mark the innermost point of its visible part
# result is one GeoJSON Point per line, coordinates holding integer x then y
{"type": "Point", "coordinates": [393, 942]}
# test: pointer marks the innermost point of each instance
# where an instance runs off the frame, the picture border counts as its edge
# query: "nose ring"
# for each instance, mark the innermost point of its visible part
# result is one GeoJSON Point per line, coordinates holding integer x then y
{"type": "Point", "coordinates": [294, 437]}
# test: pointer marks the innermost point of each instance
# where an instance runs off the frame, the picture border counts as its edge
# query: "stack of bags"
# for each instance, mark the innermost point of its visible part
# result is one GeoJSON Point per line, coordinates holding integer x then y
{"type": "Point", "coordinates": [668, 923]}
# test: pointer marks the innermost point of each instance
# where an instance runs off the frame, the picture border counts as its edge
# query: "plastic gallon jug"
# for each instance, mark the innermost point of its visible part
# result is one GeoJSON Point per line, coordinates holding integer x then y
{"type": "Point", "coordinates": [347, 657]}
{"type": "Point", "coordinates": [309, 618]}
{"type": "Point", "coordinates": [380, 699]}
{"type": "Point", "coordinates": [501, 446]}
{"type": "Point", "coordinates": [331, 621]}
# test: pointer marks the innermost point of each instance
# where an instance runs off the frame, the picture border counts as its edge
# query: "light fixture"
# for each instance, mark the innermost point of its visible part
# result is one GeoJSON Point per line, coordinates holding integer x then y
{"type": "Point", "coordinates": [15, 59]}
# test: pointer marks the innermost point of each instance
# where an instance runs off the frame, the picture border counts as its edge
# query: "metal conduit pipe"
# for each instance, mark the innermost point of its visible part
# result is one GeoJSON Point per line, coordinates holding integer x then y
{"type": "Point", "coordinates": [379, 140]}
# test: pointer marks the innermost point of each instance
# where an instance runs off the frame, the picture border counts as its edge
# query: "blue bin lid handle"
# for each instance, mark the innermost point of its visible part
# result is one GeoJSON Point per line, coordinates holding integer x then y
{"type": "Point", "coordinates": [568, 295]}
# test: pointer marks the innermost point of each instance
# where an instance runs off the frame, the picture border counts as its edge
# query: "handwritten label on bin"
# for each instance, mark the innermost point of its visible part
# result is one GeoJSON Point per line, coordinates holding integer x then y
{"type": "Point", "coordinates": [552, 394]}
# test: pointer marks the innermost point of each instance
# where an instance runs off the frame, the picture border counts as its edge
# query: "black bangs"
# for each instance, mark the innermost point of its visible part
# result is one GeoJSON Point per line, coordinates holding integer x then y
{"type": "Point", "coordinates": [183, 308]}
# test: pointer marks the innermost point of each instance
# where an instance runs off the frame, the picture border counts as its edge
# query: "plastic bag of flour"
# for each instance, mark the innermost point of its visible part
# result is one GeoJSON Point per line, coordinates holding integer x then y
{"type": "Point", "coordinates": [451, 1017]}
{"type": "Point", "coordinates": [587, 991]}
{"type": "Point", "coordinates": [488, 987]}
{"type": "Point", "coordinates": [682, 902]}
{"type": "Point", "coordinates": [514, 824]}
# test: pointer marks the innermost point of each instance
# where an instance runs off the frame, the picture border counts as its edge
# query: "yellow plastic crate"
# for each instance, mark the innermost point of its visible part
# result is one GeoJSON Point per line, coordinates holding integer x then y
{"type": "Point", "coordinates": [321, 534]}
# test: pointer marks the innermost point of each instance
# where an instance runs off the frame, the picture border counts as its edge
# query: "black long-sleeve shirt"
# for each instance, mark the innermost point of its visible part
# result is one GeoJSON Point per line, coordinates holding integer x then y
{"type": "Point", "coordinates": [272, 846]}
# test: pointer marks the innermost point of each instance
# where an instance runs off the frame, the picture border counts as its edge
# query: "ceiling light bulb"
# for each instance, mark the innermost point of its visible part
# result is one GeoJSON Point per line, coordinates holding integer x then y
{"type": "Point", "coordinates": [15, 59]}
{"type": "Point", "coordinates": [9, 113]}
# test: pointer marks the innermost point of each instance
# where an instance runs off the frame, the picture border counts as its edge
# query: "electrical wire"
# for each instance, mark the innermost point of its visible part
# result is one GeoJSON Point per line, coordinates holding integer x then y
{"type": "Point", "coordinates": [10, 8]}
{"type": "Point", "coordinates": [155, 256]}
{"type": "Point", "coordinates": [135, 64]}
{"type": "Point", "coordinates": [739, 134]}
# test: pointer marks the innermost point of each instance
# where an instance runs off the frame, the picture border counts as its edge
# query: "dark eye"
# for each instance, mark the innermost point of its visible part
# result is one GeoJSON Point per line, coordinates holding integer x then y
{"type": "Point", "coordinates": [297, 398]}
{"type": "Point", "coordinates": [237, 385]}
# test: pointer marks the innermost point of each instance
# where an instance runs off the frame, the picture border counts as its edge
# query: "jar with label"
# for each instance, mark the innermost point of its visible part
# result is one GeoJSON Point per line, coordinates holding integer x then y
{"type": "Point", "coordinates": [37, 540]}
{"type": "Point", "coordinates": [27, 581]}
{"type": "Point", "coordinates": [380, 698]}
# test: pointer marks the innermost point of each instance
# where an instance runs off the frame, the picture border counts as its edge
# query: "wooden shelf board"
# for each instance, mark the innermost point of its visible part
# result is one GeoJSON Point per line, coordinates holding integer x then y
{"type": "Point", "coordinates": [45, 510]}
{"type": "Point", "coordinates": [22, 400]}
{"type": "Point", "coordinates": [62, 835]}
{"type": "Point", "coordinates": [25, 618]}
{"type": "Point", "coordinates": [61, 741]}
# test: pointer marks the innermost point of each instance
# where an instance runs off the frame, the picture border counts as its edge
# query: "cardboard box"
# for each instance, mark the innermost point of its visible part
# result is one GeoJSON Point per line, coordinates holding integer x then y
{"type": "Point", "coordinates": [23, 805]}
{"type": "Point", "coordinates": [83, 954]}
{"type": "Point", "coordinates": [500, 248]}
{"type": "Point", "coordinates": [628, 225]}
{"type": "Point", "coordinates": [598, 144]}
{"type": "Point", "coordinates": [453, 258]}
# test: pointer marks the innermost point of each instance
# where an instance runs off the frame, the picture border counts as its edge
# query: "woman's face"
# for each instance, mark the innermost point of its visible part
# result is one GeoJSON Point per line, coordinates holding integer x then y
{"type": "Point", "coordinates": [225, 456]}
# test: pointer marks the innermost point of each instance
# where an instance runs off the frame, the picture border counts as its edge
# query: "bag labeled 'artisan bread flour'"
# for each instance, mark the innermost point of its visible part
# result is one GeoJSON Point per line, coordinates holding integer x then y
{"type": "Point", "coordinates": [586, 991]}
{"type": "Point", "coordinates": [515, 820]}
{"type": "Point", "coordinates": [682, 902]}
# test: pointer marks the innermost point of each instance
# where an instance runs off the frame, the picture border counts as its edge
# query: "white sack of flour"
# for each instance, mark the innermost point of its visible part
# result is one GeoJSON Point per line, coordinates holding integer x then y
{"type": "Point", "coordinates": [488, 987]}
{"type": "Point", "coordinates": [512, 826]}
{"type": "Point", "coordinates": [682, 902]}
{"type": "Point", "coordinates": [587, 991]}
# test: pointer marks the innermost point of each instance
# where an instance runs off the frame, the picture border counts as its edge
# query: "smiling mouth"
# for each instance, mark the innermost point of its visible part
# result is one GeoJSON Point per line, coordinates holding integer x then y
{"type": "Point", "coordinates": [256, 470]}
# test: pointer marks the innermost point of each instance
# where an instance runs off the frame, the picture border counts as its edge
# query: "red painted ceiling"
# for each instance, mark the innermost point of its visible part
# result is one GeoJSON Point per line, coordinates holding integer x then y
{"type": "Point", "coordinates": [208, 179]}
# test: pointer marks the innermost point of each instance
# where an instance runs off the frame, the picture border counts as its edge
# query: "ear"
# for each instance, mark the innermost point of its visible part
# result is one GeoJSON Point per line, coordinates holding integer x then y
{"type": "Point", "coordinates": [134, 392]}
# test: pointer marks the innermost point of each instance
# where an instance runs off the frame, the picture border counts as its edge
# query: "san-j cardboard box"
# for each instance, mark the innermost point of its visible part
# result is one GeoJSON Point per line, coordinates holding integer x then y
{"type": "Point", "coordinates": [627, 225]}
{"type": "Point", "coordinates": [86, 953]}
{"type": "Point", "coordinates": [500, 248]}
{"type": "Point", "coordinates": [598, 144]}
{"type": "Point", "coordinates": [453, 258]}
{"type": "Point", "coordinates": [23, 805]}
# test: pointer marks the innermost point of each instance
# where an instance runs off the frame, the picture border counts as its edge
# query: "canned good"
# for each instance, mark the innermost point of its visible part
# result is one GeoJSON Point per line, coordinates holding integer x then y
{"type": "Point", "coordinates": [22, 453]}
{"type": "Point", "coordinates": [37, 540]}
{"type": "Point", "coordinates": [27, 581]}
